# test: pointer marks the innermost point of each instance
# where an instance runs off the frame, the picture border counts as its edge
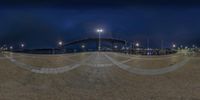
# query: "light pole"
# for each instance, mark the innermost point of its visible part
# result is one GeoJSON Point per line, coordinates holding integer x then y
{"type": "Point", "coordinates": [115, 46]}
{"type": "Point", "coordinates": [99, 31]}
{"type": "Point", "coordinates": [11, 48]}
{"type": "Point", "coordinates": [174, 45]}
{"type": "Point", "coordinates": [82, 46]}
{"type": "Point", "coordinates": [137, 44]}
{"type": "Point", "coordinates": [22, 45]}
{"type": "Point", "coordinates": [181, 46]}
{"type": "Point", "coordinates": [193, 46]}
{"type": "Point", "coordinates": [137, 47]}
{"type": "Point", "coordinates": [60, 43]}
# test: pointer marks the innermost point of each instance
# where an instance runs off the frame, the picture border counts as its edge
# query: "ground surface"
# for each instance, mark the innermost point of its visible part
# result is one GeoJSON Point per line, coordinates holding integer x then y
{"type": "Point", "coordinates": [99, 76]}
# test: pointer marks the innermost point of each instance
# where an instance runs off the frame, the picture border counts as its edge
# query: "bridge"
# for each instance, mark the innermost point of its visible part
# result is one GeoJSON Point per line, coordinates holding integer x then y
{"type": "Point", "coordinates": [113, 41]}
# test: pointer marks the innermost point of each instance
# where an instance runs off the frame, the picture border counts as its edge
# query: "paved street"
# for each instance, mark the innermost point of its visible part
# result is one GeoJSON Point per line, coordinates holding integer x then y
{"type": "Point", "coordinates": [99, 76]}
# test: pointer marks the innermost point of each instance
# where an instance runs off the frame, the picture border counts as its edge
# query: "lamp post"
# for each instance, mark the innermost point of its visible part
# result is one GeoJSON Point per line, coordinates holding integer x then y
{"type": "Point", "coordinates": [11, 48]}
{"type": "Point", "coordinates": [115, 46]}
{"type": "Point", "coordinates": [22, 45]}
{"type": "Point", "coordinates": [99, 31]}
{"type": "Point", "coordinates": [60, 43]}
{"type": "Point", "coordinates": [137, 44]}
{"type": "Point", "coordinates": [181, 46]}
{"type": "Point", "coordinates": [137, 47]}
{"type": "Point", "coordinates": [174, 45]}
{"type": "Point", "coordinates": [193, 46]}
{"type": "Point", "coordinates": [82, 46]}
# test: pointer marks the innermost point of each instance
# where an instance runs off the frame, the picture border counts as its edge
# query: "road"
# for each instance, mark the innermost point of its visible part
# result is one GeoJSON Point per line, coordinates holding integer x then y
{"type": "Point", "coordinates": [98, 76]}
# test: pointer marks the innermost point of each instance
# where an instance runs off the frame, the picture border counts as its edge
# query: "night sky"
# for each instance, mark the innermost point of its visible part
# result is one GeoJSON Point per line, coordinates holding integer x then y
{"type": "Point", "coordinates": [42, 24]}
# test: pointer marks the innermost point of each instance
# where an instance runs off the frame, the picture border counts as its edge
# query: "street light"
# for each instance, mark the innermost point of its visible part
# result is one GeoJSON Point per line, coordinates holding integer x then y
{"type": "Point", "coordinates": [174, 45]}
{"type": "Point", "coordinates": [22, 45]}
{"type": "Point", "coordinates": [82, 46]}
{"type": "Point", "coordinates": [181, 46]}
{"type": "Point", "coordinates": [193, 46]}
{"type": "Point", "coordinates": [137, 44]}
{"type": "Point", "coordinates": [127, 48]}
{"type": "Point", "coordinates": [11, 47]}
{"type": "Point", "coordinates": [60, 43]}
{"type": "Point", "coordinates": [186, 47]}
{"type": "Point", "coordinates": [115, 46]}
{"type": "Point", "coordinates": [99, 31]}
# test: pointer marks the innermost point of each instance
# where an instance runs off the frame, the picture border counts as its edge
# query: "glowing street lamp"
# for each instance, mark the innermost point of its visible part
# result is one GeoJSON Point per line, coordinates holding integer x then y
{"type": "Point", "coordinates": [99, 31]}
{"type": "Point", "coordinates": [186, 47]}
{"type": "Point", "coordinates": [82, 46]}
{"type": "Point", "coordinates": [193, 46]}
{"type": "Point", "coordinates": [181, 46]}
{"type": "Point", "coordinates": [22, 45]}
{"type": "Point", "coordinates": [115, 46]}
{"type": "Point", "coordinates": [137, 44]}
{"type": "Point", "coordinates": [11, 47]}
{"type": "Point", "coordinates": [174, 45]}
{"type": "Point", "coordinates": [60, 43]}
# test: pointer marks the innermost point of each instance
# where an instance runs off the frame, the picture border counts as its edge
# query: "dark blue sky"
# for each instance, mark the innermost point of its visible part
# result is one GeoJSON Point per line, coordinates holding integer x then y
{"type": "Point", "coordinates": [42, 26]}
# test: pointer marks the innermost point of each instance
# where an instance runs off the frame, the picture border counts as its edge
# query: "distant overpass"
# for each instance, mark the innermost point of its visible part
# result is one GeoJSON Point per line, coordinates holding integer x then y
{"type": "Point", "coordinates": [87, 40]}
